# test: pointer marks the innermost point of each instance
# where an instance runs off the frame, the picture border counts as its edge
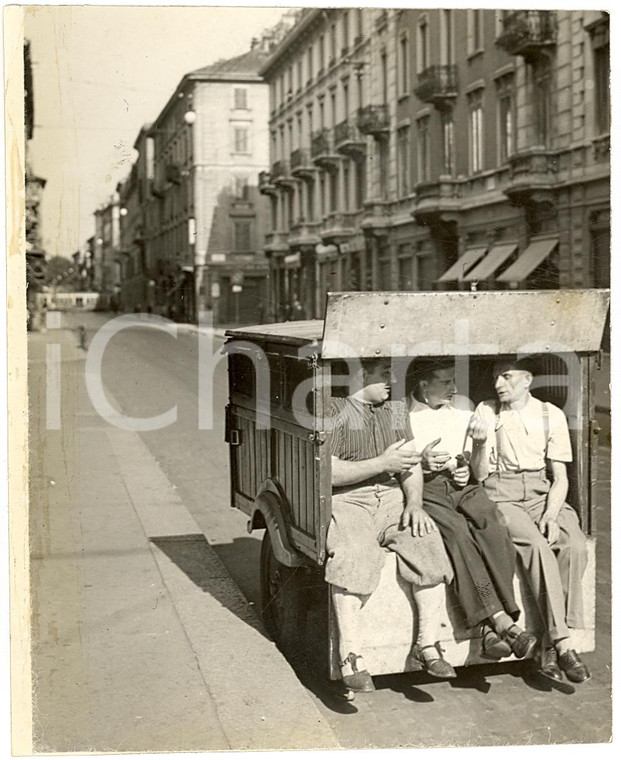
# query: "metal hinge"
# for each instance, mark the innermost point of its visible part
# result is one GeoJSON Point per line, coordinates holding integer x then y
{"type": "Point", "coordinates": [318, 437]}
{"type": "Point", "coordinates": [313, 361]}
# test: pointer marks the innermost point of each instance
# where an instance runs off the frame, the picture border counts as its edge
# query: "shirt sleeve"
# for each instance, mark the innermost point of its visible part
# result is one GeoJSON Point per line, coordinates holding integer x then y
{"type": "Point", "coordinates": [559, 442]}
{"type": "Point", "coordinates": [336, 434]}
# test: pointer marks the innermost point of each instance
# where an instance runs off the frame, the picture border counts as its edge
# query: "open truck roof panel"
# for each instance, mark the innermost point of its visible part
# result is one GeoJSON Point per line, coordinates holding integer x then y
{"type": "Point", "coordinates": [463, 323]}
{"type": "Point", "coordinates": [376, 324]}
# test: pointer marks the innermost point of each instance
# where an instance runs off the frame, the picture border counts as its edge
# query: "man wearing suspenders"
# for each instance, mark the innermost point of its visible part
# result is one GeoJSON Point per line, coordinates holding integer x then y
{"type": "Point", "coordinates": [520, 450]}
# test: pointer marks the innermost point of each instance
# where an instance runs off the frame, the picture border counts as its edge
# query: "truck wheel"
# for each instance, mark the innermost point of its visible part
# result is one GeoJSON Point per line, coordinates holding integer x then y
{"type": "Point", "coordinates": [282, 601]}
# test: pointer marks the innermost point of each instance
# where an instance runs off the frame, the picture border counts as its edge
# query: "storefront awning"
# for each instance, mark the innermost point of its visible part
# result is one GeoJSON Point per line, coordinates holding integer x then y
{"type": "Point", "coordinates": [463, 264]}
{"type": "Point", "coordinates": [534, 255]}
{"type": "Point", "coordinates": [494, 259]}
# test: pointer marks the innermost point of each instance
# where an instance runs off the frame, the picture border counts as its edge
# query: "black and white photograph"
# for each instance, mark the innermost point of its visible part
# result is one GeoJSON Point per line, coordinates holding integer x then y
{"type": "Point", "coordinates": [309, 358]}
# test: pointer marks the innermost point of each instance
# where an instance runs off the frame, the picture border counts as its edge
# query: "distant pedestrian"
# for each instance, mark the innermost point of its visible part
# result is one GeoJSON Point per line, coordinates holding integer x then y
{"type": "Point", "coordinates": [298, 310]}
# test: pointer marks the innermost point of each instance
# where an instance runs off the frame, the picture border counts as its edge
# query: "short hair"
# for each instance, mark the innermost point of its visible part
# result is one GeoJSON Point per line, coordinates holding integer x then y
{"type": "Point", "coordinates": [369, 364]}
{"type": "Point", "coordinates": [424, 369]}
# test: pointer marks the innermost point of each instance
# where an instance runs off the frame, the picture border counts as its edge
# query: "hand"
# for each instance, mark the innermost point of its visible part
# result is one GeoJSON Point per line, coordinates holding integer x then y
{"type": "Point", "coordinates": [434, 461]}
{"type": "Point", "coordinates": [477, 429]}
{"type": "Point", "coordinates": [418, 519]}
{"type": "Point", "coordinates": [461, 475]}
{"type": "Point", "coordinates": [396, 459]}
{"type": "Point", "coordinates": [549, 528]}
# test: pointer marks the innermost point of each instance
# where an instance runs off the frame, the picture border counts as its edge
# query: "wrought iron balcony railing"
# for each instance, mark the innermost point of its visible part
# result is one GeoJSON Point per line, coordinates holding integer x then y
{"type": "Point", "coordinates": [528, 33]}
{"type": "Point", "coordinates": [437, 84]}
{"type": "Point", "coordinates": [373, 120]}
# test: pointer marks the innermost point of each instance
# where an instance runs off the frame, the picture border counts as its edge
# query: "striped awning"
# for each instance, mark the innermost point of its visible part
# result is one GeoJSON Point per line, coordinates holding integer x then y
{"type": "Point", "coordinates": [534, 255]}
{"type": "Point", "coordinates": [493, 261]}
{"type": "Point", "coordinates": [463, 264]}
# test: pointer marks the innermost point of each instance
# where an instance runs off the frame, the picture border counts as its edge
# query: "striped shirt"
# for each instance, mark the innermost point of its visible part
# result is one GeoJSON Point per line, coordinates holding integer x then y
{"type": "Point", "coordinates": [363, 431]}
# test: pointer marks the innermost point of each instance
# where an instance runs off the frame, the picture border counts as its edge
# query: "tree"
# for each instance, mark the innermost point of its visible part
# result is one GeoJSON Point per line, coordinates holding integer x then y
{"type": "Point", "coordinates": [62, 272]}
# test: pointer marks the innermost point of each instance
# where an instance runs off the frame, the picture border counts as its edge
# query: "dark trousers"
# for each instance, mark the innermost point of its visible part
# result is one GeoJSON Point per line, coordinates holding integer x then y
{"type": "Point", "coordinates": [479, 547]}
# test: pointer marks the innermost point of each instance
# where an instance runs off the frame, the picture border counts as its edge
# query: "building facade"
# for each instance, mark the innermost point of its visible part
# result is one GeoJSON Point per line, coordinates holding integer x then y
{"type": "Point", "coordinates": [107, 258]}
{"type": "Point", "coordinates": [439, 148]}
{"type": "Point", "coordinates": [194, 219]}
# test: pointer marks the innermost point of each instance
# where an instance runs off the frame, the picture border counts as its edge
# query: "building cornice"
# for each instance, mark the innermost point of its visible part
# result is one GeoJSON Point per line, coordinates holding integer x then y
{"type": "Point", "coordinates": [291, 37]}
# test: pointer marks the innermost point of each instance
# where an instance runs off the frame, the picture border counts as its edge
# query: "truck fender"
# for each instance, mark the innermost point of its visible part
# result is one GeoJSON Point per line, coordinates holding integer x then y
{"type": "Point", "coordinates": [268, 514]}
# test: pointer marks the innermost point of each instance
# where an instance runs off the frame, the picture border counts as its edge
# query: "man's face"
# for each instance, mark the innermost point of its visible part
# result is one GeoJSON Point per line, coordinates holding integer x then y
{"type": "Point", "coordinates": [440, 389]}
{"type": "Point", "coordinates": [377, 382]}
{"type": "Point", "coordinates": [511, 384]}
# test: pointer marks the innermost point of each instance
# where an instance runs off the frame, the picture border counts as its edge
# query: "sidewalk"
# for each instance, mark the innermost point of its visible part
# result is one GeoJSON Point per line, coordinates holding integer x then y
{"type": "Point", "coordinates": [143, 641]}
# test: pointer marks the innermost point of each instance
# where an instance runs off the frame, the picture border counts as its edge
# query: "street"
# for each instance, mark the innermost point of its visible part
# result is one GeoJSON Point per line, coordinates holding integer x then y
{"type": "Point", "coordinates": [123, 650]}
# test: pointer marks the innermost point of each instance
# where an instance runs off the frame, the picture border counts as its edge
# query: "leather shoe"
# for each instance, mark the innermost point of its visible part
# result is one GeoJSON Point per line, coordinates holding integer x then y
{"type": "Point", "coordinates": [437, 667]}
{"type": "Point", "coordinates": [549, 664]}
{"type": "Point", "coordinates": [359, 680]}
{"type": "Point", "coordinates": [493, 647]}
{"type": "Point", "coordinates": [573, 667]}
{"type": "Point", "coordinates": [522, 644]}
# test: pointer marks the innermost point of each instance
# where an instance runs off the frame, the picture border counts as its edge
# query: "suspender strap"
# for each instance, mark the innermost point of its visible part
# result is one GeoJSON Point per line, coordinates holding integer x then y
{"type": "Point", "coordinates": [546, 427]}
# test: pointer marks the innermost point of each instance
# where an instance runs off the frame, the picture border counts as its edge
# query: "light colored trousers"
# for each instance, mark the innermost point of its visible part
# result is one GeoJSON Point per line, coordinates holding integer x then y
{"type": "Point", "coordinates": [554, 571]}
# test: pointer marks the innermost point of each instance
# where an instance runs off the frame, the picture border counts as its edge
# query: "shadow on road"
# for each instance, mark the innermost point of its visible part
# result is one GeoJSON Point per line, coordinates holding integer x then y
{"type": "Point", "coordinates": [196, 558]}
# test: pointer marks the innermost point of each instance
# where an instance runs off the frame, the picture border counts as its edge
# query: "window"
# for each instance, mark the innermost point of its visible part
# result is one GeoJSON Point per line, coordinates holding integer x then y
{"type": "Point", "coordinates": [241, 188]}
{"type": "Point", "coordinates": [300, 75]}
{"type": "Point", "coordinates": [240, 95]}
{"type": "Point", "coordinates": [333, 42]}
{"type": "Point", "coordinates": [384, 71]}
{"type": "Point", "coordinates": [361, 183]}
{"type": "Point", "coordinates": [322, 194]}
{"type": "Point", "coordinates": [404, 66]}
{"type": "Point", "coordinates": [309, 63]}
{"type": "Point", "coordinates": [322, 52]}
{"type": "Point", "coordinates": [346, 185]}
{"type": "Point", "coordinates": [242, 236]}
{"type": "Point", "coordinates": [300, 131]}
{"type": "Point", "coordinates": [345, 30]}
{"type": "Point", "coordinates": [406, 268]}
{"type": "Point", "coordinates": [241, 139]}
{"type": "Point", "coordinates": [382, 148]}
{"type": "Point", "coordinates": [424, 157]}
{"type": "Point", "coordinates": [425, 271]}
{"type": "Point", "coordinates": [475, 31]}
{"type": "Point", "coordinates": [289, 81]}
{"type": "Point", "coordinates": [446, 37]}
{"type": "Point", "coordinates": [334, 192]}
{"type": "Point", "coordinates": [403, 160]}
{"type": "Point", "coordinates": [504, 87]}
{"type": "Point", "coordinates": [448, 144]}
{"type": "Point", "coordinates": [475, 132]}
{"type": "Point", "coordinates": [499, 22]}
{"type": "Point", "coordinates": [600, 37]}
{"type": "Point", "coordinates": [333, 107]}
{"type": "Point", "coordinates": [310, 200]}
{"type": "Point", "coordinates": [359, 22]}
{"type": "Point", "coordinates": [542, 101]}
{"type": "Point", "coordinates": [422, 49]}
{"type": "Point", "coordinates": [346, 99]}
{"type": "Point", "coordinates": [274, 213]}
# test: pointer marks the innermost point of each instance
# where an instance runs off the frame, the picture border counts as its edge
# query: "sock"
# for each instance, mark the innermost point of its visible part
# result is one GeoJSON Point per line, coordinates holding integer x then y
{"type": "Point", "coordinates": [429, 601]}
{"type": "Point", "coordinates": [501, 622]}
{"type": "Point", "coordinates": [562, 645]}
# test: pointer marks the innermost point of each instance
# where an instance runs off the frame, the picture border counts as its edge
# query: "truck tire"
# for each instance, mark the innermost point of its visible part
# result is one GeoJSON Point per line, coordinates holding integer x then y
{"type": "Point", "coordinates": [282, 601]}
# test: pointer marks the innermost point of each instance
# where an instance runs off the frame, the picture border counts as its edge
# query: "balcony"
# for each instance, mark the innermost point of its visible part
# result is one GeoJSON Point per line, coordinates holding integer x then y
{"type": "Point", "coordinates": [437, 85]}
{"type": "Point", "coordinates": [304, 233]}
{"type": "Point", "coordinates": [276, 242]}
{"type": "Point", "coordinates": [349, 142]}
{"type": "Point", "coordinates": [281, 175]}
{"type": "Point", "coordinates": [266, 186]}
{"type": "Point", "coordinates": [374, 120]}
{"type": "Point", "coordinates": [530, 34]}
{"type": "Point", "coordinates": [534, 175]}
{"type": "Point", "coordinates": [376, 217]}
{"type": "Point", "coordinates": [338, 227]}
{"type": "Point", "coordinates": [437, 202]}
{"type": "Point", "coordinates": [301, 165]}
{"type": "Point", "coordinates": [322, 151]}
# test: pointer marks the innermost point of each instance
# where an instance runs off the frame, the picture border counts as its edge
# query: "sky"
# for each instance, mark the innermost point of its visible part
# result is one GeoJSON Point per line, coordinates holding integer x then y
{"type": "Point", "coordinates": [100, 73]}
